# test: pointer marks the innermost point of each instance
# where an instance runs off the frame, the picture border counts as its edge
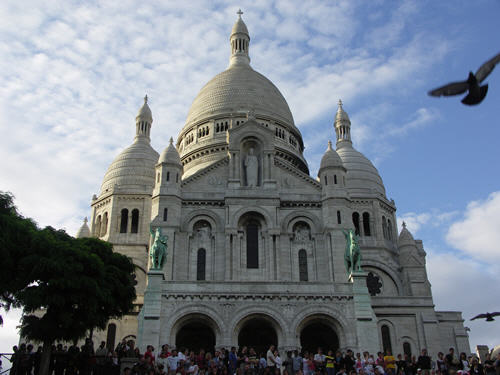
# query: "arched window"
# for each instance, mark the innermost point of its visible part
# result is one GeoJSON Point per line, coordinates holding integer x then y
{"type": "Point", "coordinates": [366, 224]}
{"type": "Point", "coordinates": [339, 218]}
{"type": "Point", "coordinates": [165, 214]}
{"type": "Point", "coordinates": [384, 227]}
{"type": "Point", "coordinates": [389, 229]}
{"type": "Point", "coordinates": [355, 221]}
{"type": "Point", "coordinates": [386, 338]}
{"type": "Point", "coordinates": [135, 221]}
{"type": "Point", "coordinates": [177, 178]}
{"type": "Point", "coordinates": [168, 176]}
{"type": "Point", "coordinates": [407, 349]}
{"type": "Point", "coordinates": [252, 230]}
{"type": "Point", "coordinates": [111, 336]}
{"type": "Point", "coordinates": [97, 230]}
{"type": "Point", "coordinates": [303, 265]}
{"type": "Point", "coordinates": [104, 226]}
{"type": "Point", "coordinates": [123, 221]}
{"type": "Point", "coordinates": [335, 179]}
{"type": "Point", "coordinates": [326, 180]}
{"type": "Point", "coordinates": [200, 264]}
{"type": "Point", "coordinates": [158, 177]}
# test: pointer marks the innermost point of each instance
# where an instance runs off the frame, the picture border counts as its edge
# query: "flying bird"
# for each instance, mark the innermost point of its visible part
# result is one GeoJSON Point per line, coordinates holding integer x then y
{"type": "Point", "coordinates": [472, 84]}
{"type": "Point", "coordinates": [488, 316]}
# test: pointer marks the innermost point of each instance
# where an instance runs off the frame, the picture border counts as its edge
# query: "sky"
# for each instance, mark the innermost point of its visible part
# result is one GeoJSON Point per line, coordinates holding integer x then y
{"type": "Point", "coordinates": [73, 75]}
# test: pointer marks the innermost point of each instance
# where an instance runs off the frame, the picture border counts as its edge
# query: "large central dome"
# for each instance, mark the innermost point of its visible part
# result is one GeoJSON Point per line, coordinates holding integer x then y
{"type": "Point", "coordinates": [226, 101]}
{"type": "Point", "coordinates": [236, 90]}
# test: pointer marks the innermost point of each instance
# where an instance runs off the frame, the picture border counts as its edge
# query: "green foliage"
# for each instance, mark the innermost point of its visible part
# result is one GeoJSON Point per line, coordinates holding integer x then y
{"type": "Point", "coordinates": [66, 286]}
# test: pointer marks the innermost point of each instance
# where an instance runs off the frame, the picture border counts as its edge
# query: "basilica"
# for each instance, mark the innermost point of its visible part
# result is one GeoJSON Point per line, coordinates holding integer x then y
{"type": "Point", "coordinates": [255, 245]}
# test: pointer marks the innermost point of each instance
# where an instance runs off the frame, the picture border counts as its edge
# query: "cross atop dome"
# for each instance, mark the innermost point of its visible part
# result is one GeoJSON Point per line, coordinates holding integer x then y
{"type": "Point", "coordinates": [240, 42]}
{"type": "Point", "coordinates": [146, 99]}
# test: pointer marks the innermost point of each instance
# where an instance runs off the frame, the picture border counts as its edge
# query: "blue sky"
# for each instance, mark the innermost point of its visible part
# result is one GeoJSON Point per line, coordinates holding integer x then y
{"type": "Point", "coordinates": [73, 75]}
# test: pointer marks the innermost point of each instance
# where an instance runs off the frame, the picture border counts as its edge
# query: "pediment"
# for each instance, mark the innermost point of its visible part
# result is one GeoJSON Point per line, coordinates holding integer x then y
{"type": "Point", "coordinates": [292, 180]}
{"type": "Point", "coordinates": [212, 177]}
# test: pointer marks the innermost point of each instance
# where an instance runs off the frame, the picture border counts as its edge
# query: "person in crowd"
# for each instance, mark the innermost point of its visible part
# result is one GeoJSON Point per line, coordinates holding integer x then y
{"type": "Point", "coordinates": [278, 361]}
{"type": "Point", "coordinates": [297, 362]}
{"type": "Point", "coordinates": [233, 360]}
{"type": "Point", "coordinates": [476, 368]}
{"type": "Point", "coordinates": [330, 363]}
{"type": "Point", "coordinates": [319, 361]}
{"type": "Point", "coordinates": [390, 363]}
{"type": "Point", "coordinates": [424, 362]}
{"type": "Point", "coordinates": [271, 359]}
{"type": "Point", "coordinates": [464, 363]}
{"type": "Point", "coordinates": [401, 365]}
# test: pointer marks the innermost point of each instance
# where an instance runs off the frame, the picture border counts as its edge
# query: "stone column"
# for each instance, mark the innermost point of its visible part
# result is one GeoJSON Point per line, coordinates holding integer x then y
{"type": "Point", "coordinates": [149, 317]}
{"type": "Point", "coordinates": [366, 322]}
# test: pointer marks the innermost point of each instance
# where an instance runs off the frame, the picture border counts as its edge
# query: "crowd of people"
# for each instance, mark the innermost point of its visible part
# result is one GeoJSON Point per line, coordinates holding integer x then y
{"type": "Point", "coordinates": [85, 360]}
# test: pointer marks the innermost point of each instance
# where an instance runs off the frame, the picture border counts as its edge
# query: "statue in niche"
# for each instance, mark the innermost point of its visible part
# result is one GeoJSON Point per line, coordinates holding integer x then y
{"type": "Point", "coordinates": [302, 233]}
{"type": "Point", "coordinates": [251, 168]}
{"type": "Point", "coordinates": [204, 233]}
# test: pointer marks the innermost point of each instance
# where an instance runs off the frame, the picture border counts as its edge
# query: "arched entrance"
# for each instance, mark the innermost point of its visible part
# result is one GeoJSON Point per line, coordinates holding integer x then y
{"type": "Point", "coordinates": [257, 332]}
{"type": "Point", "coordinates": [316, 334]}
{"type": "Point", "coordinates": [195, 335]}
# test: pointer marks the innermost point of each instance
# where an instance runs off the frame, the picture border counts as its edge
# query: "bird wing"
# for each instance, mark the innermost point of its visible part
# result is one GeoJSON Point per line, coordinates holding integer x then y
{"type": "Point", "coordinates": [495, 313]}
{"type": "Point", "coordinates": [480, 316]}
{"type": "Point", "coordinates": [454, 88]}
{"type": "Point", "coordinates": [485, 69]}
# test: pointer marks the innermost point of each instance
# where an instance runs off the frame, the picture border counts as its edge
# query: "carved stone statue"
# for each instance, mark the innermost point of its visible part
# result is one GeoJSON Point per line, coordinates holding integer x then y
{"type": "Point", "coordinates": [251, 168]}
{"type": "Point", "coordinates": [352, 256]}
{"type": "Point", "coordinates": [302, 234]}
{"type": "Point", "coordinates": [158, 252]}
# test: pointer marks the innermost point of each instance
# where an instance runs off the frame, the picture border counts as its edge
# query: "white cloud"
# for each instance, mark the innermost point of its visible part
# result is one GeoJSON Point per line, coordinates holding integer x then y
{"type": "Point", "coordinates": [467, 285]}
{"type": "Point", "coordinates": [477, 233]}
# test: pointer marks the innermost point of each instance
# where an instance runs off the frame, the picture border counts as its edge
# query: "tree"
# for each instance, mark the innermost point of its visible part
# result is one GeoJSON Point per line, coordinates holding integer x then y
{"type": "Point", "coordinates": [66, 286]}
{"type": "Point", "coordinates": [16, 235]}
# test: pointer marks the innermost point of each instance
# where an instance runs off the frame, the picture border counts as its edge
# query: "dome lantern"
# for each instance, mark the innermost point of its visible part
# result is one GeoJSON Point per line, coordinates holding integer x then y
{"type": "Point", "coordinates": [84, 231]}
{"type": "Point", "coordinates": [143, 121]}
{"type": "Point", "coordinates": [240, 42]}
{"type": "Point", "coordinates": [342, 126]}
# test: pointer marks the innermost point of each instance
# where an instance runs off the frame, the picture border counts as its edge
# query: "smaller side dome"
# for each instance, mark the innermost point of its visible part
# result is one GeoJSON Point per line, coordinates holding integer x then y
{"type": "Point", "coordinates": [84, 231]}
{"type": "Point", "coordinates": [405, 237]}
{"type": "Point", "coordinates": [330, 158]}
{"type": "Point", "coordinates": [145, 112]}
{"type": "Point", "coordinates": [170, 154]}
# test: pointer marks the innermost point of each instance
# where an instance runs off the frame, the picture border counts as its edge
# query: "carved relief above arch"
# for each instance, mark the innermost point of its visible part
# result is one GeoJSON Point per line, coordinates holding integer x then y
{"type": "Point", "coordinates": [216, 222]}
{"type": "Point", "coordinates": [292, 218]}
{"type": "Point", "coordinates": [236, 217]}
{"type": "Point", "coordinates": [383, 270]}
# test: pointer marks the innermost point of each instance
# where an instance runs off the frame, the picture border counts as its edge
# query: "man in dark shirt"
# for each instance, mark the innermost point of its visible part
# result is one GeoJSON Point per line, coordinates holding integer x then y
{"type": "Point", "coordinates": [401, 364]}
{"type": "Point", "coordinates": [349, 361]}
{"type": "Point", "coordinates": [424, 362]}
{"type": "Point", "coordinates": [451, 360]}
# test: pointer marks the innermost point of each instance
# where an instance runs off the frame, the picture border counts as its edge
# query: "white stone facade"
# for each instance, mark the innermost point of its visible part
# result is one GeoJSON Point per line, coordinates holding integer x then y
{"type": "Point", "coordinates": [270, 254]}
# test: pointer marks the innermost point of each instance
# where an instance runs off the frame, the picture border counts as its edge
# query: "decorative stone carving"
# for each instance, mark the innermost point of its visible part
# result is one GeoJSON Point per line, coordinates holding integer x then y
{"type": "Point", "coordinates": [373, 284]}
{"type": "Point", "coordinates": [158, 251]}
{"type": "Point", "coordinates": [302, 233]}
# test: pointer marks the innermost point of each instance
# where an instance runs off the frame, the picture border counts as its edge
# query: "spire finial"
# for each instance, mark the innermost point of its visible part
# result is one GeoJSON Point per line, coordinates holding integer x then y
{"type": "Point", "coordinates": [404, 225]}
{"type": "Point", "coordinates": [340, 103]}
{"type": "Point", "coordinates": [171, 141]}
{"type": "Point", "coordinates": [239, 13]}
{"type": "Point", "coordinates": [329, 145]}
{"type": "Point", "coordinates": [146, 99]}
{"type": "Point", "coordinates": [85, 220]}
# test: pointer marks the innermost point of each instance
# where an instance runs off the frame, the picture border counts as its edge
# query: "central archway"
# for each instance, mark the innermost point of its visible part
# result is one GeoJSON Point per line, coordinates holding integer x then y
{"type": "Point", "coordinates": [257, 332]}
{"type": "Point", "coordinates": [318, 334]}
{"type": "Point", "coordinates": [195, 335]}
